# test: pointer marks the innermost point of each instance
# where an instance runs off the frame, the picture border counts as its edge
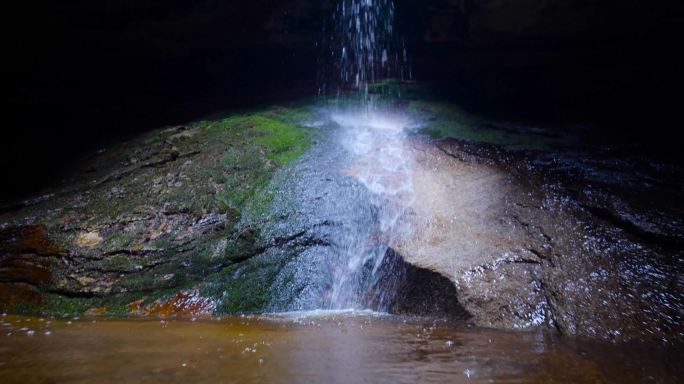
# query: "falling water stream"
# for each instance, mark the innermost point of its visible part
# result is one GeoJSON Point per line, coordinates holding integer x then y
{"type": "Point", "coordinates": [351, 192]}
{"type": "Point", "coordinates": [380, 164]}
{"type": "Point", "coordinates": [364, 50]}
{"type": "Point", "coordinates": [360, 50]}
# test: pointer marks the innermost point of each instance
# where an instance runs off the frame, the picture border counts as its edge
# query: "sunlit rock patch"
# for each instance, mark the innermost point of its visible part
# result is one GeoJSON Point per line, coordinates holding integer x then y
{"type": "Point", "coordinates": [524, 250]}
{"type": "Point", "coordinates": [88, 239]}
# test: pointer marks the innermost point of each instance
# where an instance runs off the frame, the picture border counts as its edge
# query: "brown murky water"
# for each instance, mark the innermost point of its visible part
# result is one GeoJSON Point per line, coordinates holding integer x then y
{"type": "Point", "coordinates": [315, 347]}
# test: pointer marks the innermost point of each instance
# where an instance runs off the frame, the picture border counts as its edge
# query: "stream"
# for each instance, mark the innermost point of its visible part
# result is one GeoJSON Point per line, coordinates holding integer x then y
{"type": "Point", "coordinates": [318, 346]}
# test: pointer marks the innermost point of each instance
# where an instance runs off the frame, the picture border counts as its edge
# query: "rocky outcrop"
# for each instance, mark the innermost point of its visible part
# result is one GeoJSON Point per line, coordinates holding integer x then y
{"type": "Point", "coordinates": [494, 223]}
{"type": "Point", "coordinates": [140, 225]}
{"type": "Point", "coordinates": [581, 247]}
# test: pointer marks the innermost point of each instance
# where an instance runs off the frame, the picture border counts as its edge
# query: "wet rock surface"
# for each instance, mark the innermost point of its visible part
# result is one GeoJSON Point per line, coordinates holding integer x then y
{"type": "Point", "coordinates": [584, 240]}
{"type": "Point", "coordinates": [141, 225]}
{"type": "Point", "coordinates": [493, 223]}
{"type": "Point", "coordinates": [528, 256]}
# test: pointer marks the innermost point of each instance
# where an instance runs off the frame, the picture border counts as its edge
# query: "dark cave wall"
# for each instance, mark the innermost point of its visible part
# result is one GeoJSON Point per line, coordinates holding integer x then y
{"type": "Point", "coordinates": [126, 53]}
{"type": "Point", "coordinates": [611, 65]}
{"type": "Point", "coordinates": [497, 21]}
{"type": "Point", "coordinates": [79, 74]}
{"type": "Point", "coordinates": [129, 57]}
{"type": "Point", "coordinates": [82, 74]}
{"type": "Point", "coordinates": [129, 52]}
{"type": "Point", "coordinates": [564, 51]}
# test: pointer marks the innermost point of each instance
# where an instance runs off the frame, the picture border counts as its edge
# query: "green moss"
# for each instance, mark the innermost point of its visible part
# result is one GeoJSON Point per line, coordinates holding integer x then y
{"type": "Point", "coordinates": [293, 115]}
{"type": "Point", "coordinates": [222, 164]}
{"type": "Point", "coordinates": [117, 310]}
{"type": "Point", "coordinates": [155, 279]}
{"type": "Point", "coordinates": [118, 263]}
{"type": "Point", "coordinates": [260, 203]}
{"type": "Point", "coordinates": [22, 308]}
{"type": "Point", "coordinates": [445, 120]}
{"type": "Point", "coordinates": [396, 90]}
{"type": "Point", "coordinates": [120, 240]}
{"type": "Point", "coordinates": [164, 242]}
{"type": "Point", "coordinates": [246, 170]}
{"type": "Point", "coordinates": [245, 287]}
{"type": "Point", "coordinates": [65, 306]}
{"type": "Point", "coordinates": [180, 199]}
{"type": "Point", "coordinates": [283, 141]}
{"type": "Point", "coordinates": [267, 140]}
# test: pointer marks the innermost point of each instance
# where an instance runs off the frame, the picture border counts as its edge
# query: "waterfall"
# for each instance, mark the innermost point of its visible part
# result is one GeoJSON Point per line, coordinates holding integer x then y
{"type": "Point", "coordinates": [360, 49]}
{"type": "Point", "coordinates": [365, 277]}
{"type": "Point", "coordinates": [353, 190]}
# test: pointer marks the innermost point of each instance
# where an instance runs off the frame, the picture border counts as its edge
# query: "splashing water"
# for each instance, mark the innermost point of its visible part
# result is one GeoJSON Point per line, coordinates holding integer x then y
{"type": "Point", "coordinates": [380, 163]}
{"type": "Point", "coordinates": [348, 197]}
{"type": "Point", "coordinates": [362, 49]}
{"type": "Point", "coordinates": [353, 190]}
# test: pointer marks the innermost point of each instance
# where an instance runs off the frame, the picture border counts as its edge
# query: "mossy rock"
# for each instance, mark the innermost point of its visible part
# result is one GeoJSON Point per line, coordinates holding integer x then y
{"type": "Point", "coordinates": [145, 202]}
{"type": "Point", "coordinates": [443, 120]}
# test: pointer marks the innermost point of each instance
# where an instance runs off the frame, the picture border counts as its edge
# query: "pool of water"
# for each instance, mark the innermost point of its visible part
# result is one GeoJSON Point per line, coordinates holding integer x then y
{"type": "Point", "coordinates": [330, 347]}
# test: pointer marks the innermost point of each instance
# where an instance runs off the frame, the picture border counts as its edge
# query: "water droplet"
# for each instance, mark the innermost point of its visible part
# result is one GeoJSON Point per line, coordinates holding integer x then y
{"type": "Point", "coordinates": [469, 372]}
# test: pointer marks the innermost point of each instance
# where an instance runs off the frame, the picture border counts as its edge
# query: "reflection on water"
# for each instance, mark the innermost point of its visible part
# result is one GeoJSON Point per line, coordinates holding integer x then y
{"type": "Point", "coordinates": [330, 347]}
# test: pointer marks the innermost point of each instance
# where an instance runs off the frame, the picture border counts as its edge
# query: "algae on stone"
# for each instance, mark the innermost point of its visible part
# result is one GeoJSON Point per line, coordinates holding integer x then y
{"type": "Point", "coordinates": [167, 206]}
{"type": "Point", "coordinates": [442, 120]}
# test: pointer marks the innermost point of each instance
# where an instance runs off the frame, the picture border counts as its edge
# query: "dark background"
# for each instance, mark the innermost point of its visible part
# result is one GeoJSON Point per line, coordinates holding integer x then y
{"type": "Point", "coordinates": [78, 75]}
